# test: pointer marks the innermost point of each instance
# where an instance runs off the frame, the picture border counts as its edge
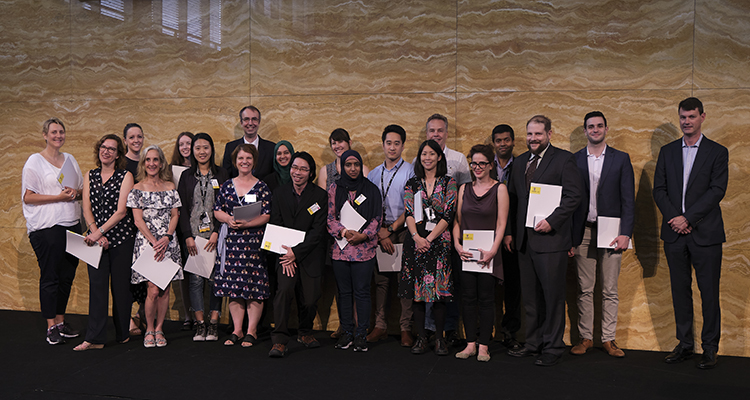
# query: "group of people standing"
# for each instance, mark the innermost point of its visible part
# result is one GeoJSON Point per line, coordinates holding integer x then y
{"type": "Point", "coordinates": [132, 206]}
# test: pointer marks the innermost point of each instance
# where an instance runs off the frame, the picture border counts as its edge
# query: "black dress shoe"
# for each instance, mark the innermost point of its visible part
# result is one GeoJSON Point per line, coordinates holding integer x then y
{"type": "Point", "coordinates": [441, 347]}
{"type": "Point", "coordinates": [678, 355]}
{"type": "Point", "coordinates": [547, 360]}
{"type": "Point", "coordinates": [522, 352]}
{"type": "Point", "coordinates": [420, 345]}
{"type": "Point", "coordinates": [708, 359]}
{"type": "Point", "coordinates": [512, 344]}
{"type": "Point", "coordinates": [452, 338]}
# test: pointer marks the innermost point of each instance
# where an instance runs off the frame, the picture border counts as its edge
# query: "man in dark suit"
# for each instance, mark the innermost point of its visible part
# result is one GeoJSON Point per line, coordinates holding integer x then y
{"type": "Point", "coordinates": [543, 249]}
{"type": "Point", "coordinates": [303, 206]}
{"type": "Point", "coordinates": [689, 182]}
{"type": "Point", "coordinates": [250, 120]}
{"type": "Point", "coordinates": [503, 140]}
{"type": "Point", "coordinates": [610, 192]}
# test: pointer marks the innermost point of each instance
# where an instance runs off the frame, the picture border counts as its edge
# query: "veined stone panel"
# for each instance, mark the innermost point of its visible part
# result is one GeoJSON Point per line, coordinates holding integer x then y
{"type": "Point", "coordinates": [722, 44]}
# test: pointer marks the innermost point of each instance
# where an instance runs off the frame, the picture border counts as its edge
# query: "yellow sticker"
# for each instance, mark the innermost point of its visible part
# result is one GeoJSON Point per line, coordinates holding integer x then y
{"type": "Point", "coordinates": [468, 236]}
{"type": "Point", "coordinates": [267, 245]}
{"type": "Point", "coordinates": [535, 190]}
{"type": "Point", "coordinates": [60, 178]}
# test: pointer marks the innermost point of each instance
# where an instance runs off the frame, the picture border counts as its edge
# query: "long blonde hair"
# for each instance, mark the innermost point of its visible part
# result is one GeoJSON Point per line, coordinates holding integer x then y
{"type": "Point", "coordinates": [165, 172]}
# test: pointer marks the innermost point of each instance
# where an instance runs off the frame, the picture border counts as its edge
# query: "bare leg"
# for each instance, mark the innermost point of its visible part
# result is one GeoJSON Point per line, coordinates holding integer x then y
{"type": "Point", "coordinates": [237, 309]}
{"type": "Point", "coordinates": [254, 311]}
{"type": "Point", "coordinates": [162, 305]}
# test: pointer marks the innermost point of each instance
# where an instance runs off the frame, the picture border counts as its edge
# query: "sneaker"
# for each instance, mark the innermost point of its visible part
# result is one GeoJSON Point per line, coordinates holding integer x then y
{"type": "Point", "coordinates": [200, 332]}
{"type": "Point", "coordinates": [277, 351]}
{"type": "Point", "coordinates": [345, 341]}
{"type": "Point", "coordinates": [360, 343]}
{"type": "Point", "coordinates": [213, 333]}
{"type": "Point", "coordinates": [53, 335]}
{"type": "Point", "coordinates": [308, 341]}
{"type": "Point", "coordinates": [66, 331]}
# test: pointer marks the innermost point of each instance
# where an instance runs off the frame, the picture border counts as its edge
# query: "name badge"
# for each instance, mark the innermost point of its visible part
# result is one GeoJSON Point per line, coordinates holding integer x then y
{"type": "Point", "coordinates": [250, 198]}
{"type": "Point", "coordinates": [215, 183]}
{"type": "Point", "coordinates": [360, 199]}
{"type": "Point", "coordinates": [313, 208]}
{"type": "Point", "coordinates": [430, 226]}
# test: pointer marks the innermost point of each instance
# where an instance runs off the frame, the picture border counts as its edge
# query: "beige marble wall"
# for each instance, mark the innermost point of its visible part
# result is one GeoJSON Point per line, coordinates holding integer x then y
{"type": "Point", "coordinates": [315, 66]}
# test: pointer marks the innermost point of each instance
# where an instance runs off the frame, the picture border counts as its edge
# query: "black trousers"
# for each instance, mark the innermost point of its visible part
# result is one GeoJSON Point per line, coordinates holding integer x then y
{"type": "Point", "coordinates": [543, 287]}
{"type": "Point", "coordinates": [511, 322]}
{"type": "Point", "coordinates": [478, 301]}
{"type": "Point", "coordinates": [115, 266]}
{"type": "Point", "coordinates": [707, 263]}
{"type": "Point", "coordinates": [57, 268]}
{"type": "Point", "coordinates": [307, 290]}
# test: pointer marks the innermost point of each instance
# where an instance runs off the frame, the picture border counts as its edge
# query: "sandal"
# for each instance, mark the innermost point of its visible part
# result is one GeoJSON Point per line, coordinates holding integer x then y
{"type": "Point", "coordinates": [160, 342]}
{"type": "Point", "coordinates": [234, 339]}
{"type": "Point", "coordinates": [88, 346]}
{"type": "Point", "coordinates": [249, 340]}
{"type": "Point", "coordinates": [149, 343]}
{"type": "Point", "coordinates": [137, 330]}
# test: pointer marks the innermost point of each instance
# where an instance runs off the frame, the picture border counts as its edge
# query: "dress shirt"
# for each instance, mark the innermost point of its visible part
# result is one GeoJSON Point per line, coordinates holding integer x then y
{"type": "Point", "coordinates": [458, 167]}
{"type": "Point", "coordinates": [393, 202]}
{"type": "Point", "coordinates": [503, 173]}
{"type": "Point", "coordinates": [595, 173]}
{"type": "Point", "coordinates": [254, 143]}
{"type": "Point", "coordinates": [688, 158]}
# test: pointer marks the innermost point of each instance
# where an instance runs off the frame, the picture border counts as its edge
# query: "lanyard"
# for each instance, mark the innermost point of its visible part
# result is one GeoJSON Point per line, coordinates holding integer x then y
{"type": "Point", "coordinates": [385, 191]}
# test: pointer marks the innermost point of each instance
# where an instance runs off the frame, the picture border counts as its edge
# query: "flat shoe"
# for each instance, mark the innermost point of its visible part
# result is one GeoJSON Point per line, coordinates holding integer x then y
{"type": "Point", "coordinates": [234, 339]}
{"type": "Point", "coordinates": [248, 341]}
{"type": "Point", "coordinates": [483, 358]}
{"type": "Point", "coordinates": [464, 355]}
{"type": "Point", "coordinates": [160, 342]}
{"type": "Point", "coordinates": [88, 346]}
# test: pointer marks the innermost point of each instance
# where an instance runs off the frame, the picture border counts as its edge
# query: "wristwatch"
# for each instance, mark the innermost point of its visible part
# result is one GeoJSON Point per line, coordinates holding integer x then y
{"type": "Point", "coordinates": [390, 228]}
{"type": "Point", "coordinates": [169, 236]}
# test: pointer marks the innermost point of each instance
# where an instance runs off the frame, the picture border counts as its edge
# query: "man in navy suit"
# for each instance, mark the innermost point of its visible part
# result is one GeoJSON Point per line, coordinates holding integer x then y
{"type": "Point", "coordinates": [689, 182]}
{"type": "Point", "coordinates": [543, 249]}
{"type": "Point", "coordinates": [610, 192]}
{"type": "Point", "coordinates": [250, 120]}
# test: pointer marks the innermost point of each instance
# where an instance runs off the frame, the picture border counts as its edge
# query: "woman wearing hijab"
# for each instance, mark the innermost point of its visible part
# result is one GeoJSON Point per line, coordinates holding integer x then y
{"type": "Point", "coordinates": [282, 164]}
{"type": "Point", "coordinates": [353, 265]}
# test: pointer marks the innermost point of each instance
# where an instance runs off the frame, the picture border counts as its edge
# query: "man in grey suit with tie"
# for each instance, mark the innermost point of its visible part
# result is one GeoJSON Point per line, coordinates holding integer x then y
{"type": "Point", "coordinates": [610, 192]}
{"type": "Point", "coordinates": [689, 182]}
{"type": "Point", "coordinates": [543, 249]}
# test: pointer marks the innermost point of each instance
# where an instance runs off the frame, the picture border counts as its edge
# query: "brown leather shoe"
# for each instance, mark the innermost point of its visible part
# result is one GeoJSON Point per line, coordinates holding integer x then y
{"type": "Point", "coordinates": [407, 340]}
{"type": "Point", "coordinates": [582, 347]}
{"type": "Point", "coordinates": [612, 349]}
{"type": "Point", "coordinates": [376, 335]}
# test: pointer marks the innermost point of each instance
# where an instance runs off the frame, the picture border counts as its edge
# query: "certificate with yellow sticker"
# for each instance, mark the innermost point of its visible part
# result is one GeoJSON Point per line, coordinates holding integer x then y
{"type": "Point", "coordinates": [543, 200]}
{"type": "Point", "coordinates": [276, 236]}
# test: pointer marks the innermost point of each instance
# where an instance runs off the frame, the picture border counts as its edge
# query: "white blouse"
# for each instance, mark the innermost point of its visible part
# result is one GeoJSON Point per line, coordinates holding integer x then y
{"type": "Point", "coordinates": [40, 177]}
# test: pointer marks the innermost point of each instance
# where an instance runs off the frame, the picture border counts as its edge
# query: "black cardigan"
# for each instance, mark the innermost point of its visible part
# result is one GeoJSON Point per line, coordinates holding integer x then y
{"type": "Point", "coordinates": [185, 190]}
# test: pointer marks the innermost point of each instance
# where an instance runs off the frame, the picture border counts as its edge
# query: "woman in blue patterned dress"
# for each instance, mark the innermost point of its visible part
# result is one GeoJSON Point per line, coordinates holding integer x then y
{"type": "Point", "coordinates": [155, 204]}
{"type": "Point", "coordinates": [240, 270]}
{"type": "Point", "coordinates": [426, 272]}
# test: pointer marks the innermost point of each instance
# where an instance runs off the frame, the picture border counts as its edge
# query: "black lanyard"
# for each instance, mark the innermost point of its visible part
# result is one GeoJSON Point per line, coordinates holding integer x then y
{"type": "Point", "coordinates": [393, 175]}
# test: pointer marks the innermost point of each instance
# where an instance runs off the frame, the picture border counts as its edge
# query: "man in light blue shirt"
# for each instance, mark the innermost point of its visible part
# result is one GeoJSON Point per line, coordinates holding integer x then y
{"type": "Point", "coordinates": [390, 177]}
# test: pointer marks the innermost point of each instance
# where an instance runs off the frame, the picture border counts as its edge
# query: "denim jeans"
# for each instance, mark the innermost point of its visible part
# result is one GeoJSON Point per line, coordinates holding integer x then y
{"type": "Point", "coordinates": [353, 279]}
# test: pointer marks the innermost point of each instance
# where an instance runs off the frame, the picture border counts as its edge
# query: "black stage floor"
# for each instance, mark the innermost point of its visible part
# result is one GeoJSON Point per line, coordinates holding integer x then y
{"type": "Point", "coordinates": [32, 369]}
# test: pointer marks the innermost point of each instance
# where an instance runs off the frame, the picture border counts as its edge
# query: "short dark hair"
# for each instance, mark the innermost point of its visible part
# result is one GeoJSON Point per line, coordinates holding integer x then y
{"type": "Point", "coordinates": [395, 129]}
{"type": "Point", "coordinates": [127, 127]}
{"type": "Point", "coordinates": [310, 161]}
{"type": "Point", "coordinates": [489, 153]}
{"type": "Point", "coordinates": [120, 161]}
{"type": "Point", "coordinates": [339, 135]}
{"type": "Point", "coordinates": [442, 166]}
{"type": "Point", "coordinates": [438, 116]}
{"type": "Point", "coordinates": [541, 119]}
{"type": "Point", "coordinates": [502, 128]}
{"type": "Point", "coordinates": [592, 115]}
{"type": "Point", "coordinates": [250, 108]}
{"type": "Point", "coordinates": [247, 148]}
{"type": "Point", "coordinates": [691, 103]}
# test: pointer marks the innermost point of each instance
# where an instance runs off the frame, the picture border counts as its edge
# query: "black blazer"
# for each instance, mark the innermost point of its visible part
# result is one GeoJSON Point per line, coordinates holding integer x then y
{"type": "Point", "coordinates": [615, 196]}
{"type": "Point", "coordinates": [185, 190]}
{"type": "Point", "coordinates": [558, 167]}
{"type": "Point", "coordinates": [707, 185]}
{"type": "Point", "coordinates": [285, 211]}
{"type": "Point", "coordinates": [264, 164]}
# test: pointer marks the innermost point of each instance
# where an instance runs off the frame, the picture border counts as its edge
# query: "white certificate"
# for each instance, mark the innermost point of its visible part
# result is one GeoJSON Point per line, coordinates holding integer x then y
{"type": "Point", "coordinates": [543, 200]}
{"type": "Point", "coordinates": [276, 235]}
{"type": "Point", "coordinates": [418, 210]}
{"type": "Point", "coordinates": [473, 241]}
{"type": "Point", "coordinates": [68, 176]}
{"type": "Point", "coordinates": [160, 273]}
{"type": "Point", "coordinates": [607, 229]}
{"type": "Point", "coordinates": [176, 174]}
{"type": "Point", "coordinates": [203, 263]}
{"type": "Point", "coordinates": [248, 212]}
{"type": "Point", "coordinates": [390, 262]}
{"type": "Point", "coordinates": [351, 220]}
{"type": "Point", "coordinates": [75, 245]}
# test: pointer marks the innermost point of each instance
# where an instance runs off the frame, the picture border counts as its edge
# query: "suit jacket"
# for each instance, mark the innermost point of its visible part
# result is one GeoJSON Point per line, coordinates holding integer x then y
{"type": "Point", "coordinates": [615, 196]}
{"type": "Point", "coordinates": [706, 186]}
{"type": "Point", "coordinates": [285, 211]}
{"type": "Point", "coordinates": [558, 167]}
{"type": "Point", "coordinates": [264, 164]}
{"type": "Point", "coordinates": [185, 190]}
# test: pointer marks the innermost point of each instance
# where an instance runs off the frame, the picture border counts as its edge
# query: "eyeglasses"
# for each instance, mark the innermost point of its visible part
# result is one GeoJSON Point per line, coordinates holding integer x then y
{"type": "Point", "coordinates": [300, 169]}
{"type": "Point", "coordinates": [480, 164]}
{"type": "Point", "coordinates": [246, 119]}
{"type": "Point", "coordinates": [108, 149]}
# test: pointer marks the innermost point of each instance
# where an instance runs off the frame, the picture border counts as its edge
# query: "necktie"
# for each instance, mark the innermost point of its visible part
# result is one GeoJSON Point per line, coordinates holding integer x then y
{"type": "Point", "coordinates": [530, 172]}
